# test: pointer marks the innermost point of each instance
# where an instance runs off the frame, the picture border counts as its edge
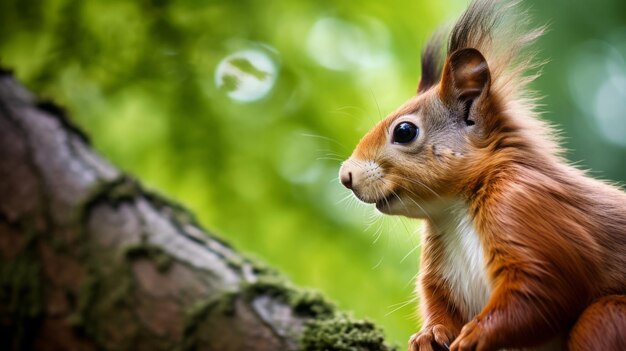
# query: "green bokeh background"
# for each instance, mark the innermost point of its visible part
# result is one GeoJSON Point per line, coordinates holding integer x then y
{"type": "Point", "coordinates": [140, 78]}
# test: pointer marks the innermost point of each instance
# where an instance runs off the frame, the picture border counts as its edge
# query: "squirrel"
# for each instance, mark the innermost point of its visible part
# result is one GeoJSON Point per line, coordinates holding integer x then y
{"type": "Point", "coordinates": [521, 250]}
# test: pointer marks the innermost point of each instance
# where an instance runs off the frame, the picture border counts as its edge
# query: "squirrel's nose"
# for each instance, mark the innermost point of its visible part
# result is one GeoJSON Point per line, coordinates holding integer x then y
{"type": "Point", "coordinates": [346, 179]}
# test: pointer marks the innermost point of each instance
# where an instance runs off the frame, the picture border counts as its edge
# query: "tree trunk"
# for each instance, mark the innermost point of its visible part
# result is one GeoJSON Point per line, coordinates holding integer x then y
{"type": "Point", "coordinates": [90, 260]}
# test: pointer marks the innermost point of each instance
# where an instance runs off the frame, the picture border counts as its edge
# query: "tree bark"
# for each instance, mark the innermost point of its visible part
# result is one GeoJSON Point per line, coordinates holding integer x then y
{"type": "Point", "coordinates": [90, 260]}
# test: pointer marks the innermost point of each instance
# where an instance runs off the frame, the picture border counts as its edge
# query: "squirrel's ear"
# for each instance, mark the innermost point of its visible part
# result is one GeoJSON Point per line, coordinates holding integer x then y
{"type": "Point", "coordinates": [465, 75]}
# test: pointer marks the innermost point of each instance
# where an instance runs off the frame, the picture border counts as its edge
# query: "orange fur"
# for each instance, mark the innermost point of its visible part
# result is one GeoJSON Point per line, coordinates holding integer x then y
{"type": "Point", "coordinates": [488, 177]}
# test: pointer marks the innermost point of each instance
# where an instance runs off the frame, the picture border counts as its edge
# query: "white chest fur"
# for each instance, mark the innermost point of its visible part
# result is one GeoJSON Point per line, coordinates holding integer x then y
{"type": "Point", "coordinates": [463, 264]}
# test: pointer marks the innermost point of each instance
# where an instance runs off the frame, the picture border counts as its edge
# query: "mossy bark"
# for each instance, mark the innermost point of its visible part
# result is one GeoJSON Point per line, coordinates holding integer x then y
{"type": "Point", "coordinates": [91, 260]}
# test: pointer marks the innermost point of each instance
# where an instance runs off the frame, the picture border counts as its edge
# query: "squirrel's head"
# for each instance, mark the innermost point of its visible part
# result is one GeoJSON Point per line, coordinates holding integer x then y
{"type": "Point", "coordinates": [409, 162]}
{"type": "Point", "coordinates": [473, 117]}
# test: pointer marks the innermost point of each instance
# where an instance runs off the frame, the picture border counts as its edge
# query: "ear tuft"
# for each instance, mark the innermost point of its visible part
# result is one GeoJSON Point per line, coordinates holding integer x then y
{"type": "Point", "coordinates": [432, 62]}
{"type": "Point", "coordinates": [466, 75]}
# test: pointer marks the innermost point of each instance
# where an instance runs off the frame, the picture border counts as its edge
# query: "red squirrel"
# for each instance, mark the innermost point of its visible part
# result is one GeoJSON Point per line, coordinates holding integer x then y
{"type": "Point", "coordinates": [521, 250]}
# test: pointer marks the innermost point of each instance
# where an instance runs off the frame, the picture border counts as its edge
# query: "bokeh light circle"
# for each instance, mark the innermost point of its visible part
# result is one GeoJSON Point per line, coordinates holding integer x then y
{"type": "Point", "coordinates": [246, 75]}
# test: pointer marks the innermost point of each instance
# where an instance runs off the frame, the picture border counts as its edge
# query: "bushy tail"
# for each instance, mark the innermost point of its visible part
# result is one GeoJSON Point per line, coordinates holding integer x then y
{"type": "Point", "coordinates": [602, 326]}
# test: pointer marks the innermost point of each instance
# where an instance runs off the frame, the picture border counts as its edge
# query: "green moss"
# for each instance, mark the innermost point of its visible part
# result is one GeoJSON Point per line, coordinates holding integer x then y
{"type": "Point", "coordinates": [123, 188]}
{"type": "Point", "coordinates": [311, 303]}
{"type": "Point", "coordinates": [235, 262]}
{"type": "Point", "coordinates": [177, 212]}
{"type": "Point", "coordinates": [104, 301]}
{"type": "Point", "coordinates": [114, 192]}
{"type": "Point", "coordinates": [305, 303]}
{"type": "Point", "coordinates": [342, 334]}
{"type": "Point", "coordinates": [275, 287]}
{"type": "Point", "coordinates": [199, 312]}
{"type": "Point", "coordinates": [126, 189]}
{"type": "Point", "coordinates": [258, 267]}
{"type": "Point", "coordinates": [161, 258]}
{"type": "Point", "coordinates": [261, 269]}
{"type": "Point", "coordinates": [194, 317]}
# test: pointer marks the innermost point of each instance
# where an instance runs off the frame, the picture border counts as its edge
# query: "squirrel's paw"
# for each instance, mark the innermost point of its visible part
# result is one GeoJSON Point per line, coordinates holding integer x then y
{"type": "Point", "coordinates": [433, 338]}
{"type": "Point", "coordinates": [471, 338]}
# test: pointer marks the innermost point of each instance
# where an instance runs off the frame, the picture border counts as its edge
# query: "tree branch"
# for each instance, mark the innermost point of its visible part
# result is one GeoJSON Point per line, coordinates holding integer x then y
{"type": "Point", "coordinates": [91, 260]}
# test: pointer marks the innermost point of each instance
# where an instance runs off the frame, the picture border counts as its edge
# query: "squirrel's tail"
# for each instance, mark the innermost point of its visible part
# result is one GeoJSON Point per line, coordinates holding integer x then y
{"type": "Point", "coordinates": [602, 326]}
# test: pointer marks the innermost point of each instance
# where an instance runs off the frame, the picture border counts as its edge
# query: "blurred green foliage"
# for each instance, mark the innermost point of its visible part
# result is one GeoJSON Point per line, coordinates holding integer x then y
{"type": "Point", "coordinates": [242, 110]}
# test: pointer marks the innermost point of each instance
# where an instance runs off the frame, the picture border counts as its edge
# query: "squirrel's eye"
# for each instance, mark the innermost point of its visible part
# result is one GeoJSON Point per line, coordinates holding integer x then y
{"type": "Point", "coordinates": [405, 132]}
